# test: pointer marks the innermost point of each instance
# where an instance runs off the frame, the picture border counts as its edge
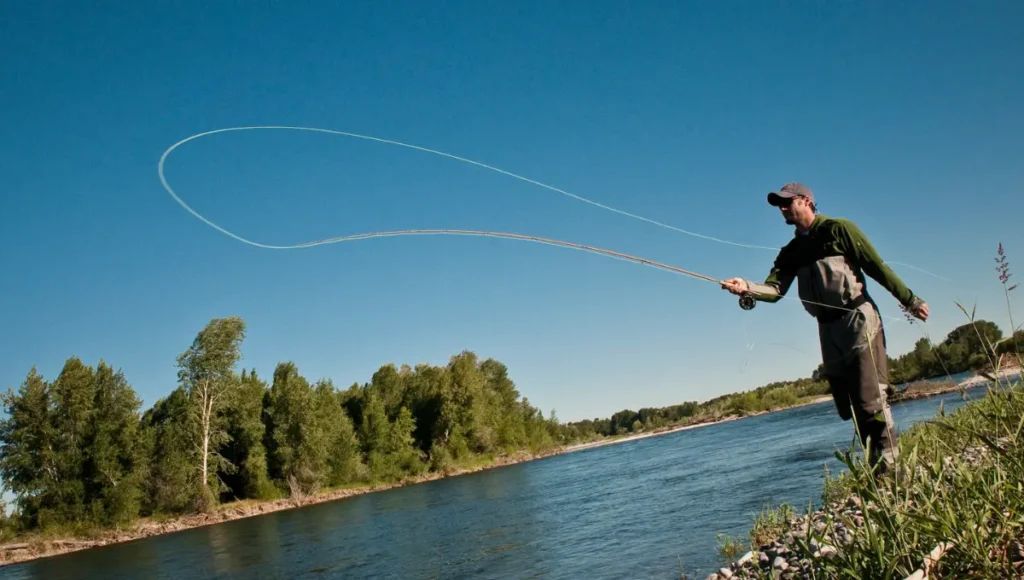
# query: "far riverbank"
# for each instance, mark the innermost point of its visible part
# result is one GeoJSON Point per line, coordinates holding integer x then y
{"type": "Point", "coordinates": [43, 546]}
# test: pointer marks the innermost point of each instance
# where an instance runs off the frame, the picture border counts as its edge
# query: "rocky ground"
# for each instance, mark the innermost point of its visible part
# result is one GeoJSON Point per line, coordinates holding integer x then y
{"type": "Point", "coordinates": [796, 552]}
{"type": "Point", "coordinates": [808, 542]}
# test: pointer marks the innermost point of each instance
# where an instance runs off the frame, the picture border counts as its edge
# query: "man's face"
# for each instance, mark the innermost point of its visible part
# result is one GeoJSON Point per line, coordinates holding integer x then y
{"type": "Point", "coordinates": [792, 207]}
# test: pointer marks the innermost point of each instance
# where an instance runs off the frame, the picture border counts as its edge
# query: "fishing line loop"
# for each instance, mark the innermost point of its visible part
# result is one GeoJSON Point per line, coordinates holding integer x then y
{"type": "Point", "coordinates": [746, 301]}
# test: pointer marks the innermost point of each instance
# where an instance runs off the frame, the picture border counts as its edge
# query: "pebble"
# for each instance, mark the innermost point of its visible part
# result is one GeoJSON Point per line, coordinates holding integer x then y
{"type": "Point", "coordinates": [780, 563]}
{"type": "Point", "coordinates": [725, 573]}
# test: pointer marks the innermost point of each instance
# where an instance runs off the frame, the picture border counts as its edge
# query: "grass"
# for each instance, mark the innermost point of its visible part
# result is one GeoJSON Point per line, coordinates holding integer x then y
{"type": "Point", "coordinates": [957, 493]}
{"type": "Point", "coordinates": [952, 508]}
{"type": "Point", "coordinates": [770, 524]}
{"type": "Point", "coordinates": [958, 485]}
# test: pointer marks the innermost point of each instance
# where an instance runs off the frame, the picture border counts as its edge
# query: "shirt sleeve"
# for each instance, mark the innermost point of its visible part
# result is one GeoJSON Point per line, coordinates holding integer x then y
{"type": "Point", "coordinates": [779, 279]}
{"type": "Point", "coordinates": [860, 249]}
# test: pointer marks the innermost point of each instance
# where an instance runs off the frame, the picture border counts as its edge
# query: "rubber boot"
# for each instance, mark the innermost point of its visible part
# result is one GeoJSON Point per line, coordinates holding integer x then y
{"type": "Point", "coordinates": [880, 442]}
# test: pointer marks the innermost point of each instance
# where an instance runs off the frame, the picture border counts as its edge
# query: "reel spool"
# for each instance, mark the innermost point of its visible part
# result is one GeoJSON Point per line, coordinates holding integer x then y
{"type": "Point", "coordinates": [747, 301]}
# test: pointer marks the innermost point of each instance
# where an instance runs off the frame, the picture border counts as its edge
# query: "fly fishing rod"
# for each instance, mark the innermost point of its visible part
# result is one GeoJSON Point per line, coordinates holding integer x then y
{"type": "Point", "coordinates": [746, 300]}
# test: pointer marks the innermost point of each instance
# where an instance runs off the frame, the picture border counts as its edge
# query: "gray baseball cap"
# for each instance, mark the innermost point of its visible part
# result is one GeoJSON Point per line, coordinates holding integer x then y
{"type": "Point", "coordinates": [789, 191]}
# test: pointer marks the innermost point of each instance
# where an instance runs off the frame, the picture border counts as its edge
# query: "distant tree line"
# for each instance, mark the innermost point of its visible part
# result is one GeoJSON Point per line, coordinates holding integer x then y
{"type": "Point", "coordinates": [78, 452]}
{"type": "Point", "coordinates": [773, 396]}
{"type": "Point", "coordinates": [972, 346]}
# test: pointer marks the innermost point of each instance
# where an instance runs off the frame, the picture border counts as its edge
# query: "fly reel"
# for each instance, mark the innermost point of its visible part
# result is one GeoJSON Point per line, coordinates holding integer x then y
{"type": "Point", "coordinates": [747, 301]}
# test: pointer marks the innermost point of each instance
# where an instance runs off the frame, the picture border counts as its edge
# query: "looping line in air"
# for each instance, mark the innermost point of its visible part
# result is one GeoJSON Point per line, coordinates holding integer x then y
{"type": "Point", "coordinates": [465, 232]}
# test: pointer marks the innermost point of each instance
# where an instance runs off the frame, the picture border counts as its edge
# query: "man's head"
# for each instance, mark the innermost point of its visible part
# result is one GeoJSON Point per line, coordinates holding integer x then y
{"type": "Point", "coordinates": [796, 202]}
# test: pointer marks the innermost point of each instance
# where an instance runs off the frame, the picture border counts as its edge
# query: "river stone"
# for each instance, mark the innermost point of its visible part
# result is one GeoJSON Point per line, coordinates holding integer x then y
{"type": "Point", "coordinates": [745, 558]}
{"type": "Point", "coordinates": [828, 551]}
{"type": "Point", "coordinates": [762, 558]}
{"type": "Point", "coordinates": [724, 573]}
{"type": "Point", "coordinates": [780, 563]}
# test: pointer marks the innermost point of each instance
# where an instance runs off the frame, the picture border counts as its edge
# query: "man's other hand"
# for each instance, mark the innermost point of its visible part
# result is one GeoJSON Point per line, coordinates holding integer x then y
{"type": "Point", "coordinates": [920, 310]}
{"type": "Point", "coordinates": [735, 285]}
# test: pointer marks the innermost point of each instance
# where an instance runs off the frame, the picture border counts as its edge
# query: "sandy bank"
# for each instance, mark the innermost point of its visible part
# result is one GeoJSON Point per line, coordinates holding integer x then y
{"type": "Point", "coordinates": [981, 379]}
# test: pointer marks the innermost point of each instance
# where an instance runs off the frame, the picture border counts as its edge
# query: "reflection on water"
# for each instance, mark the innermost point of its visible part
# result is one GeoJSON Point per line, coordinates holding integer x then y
{"type": "Point", "coordinates": [630, 510]}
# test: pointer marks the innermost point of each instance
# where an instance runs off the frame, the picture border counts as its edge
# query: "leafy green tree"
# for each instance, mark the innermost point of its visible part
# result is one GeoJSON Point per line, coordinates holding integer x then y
{"type": "Point", "coordinates": [72, 399]}
{"type": "Point", "coordinates": [291, 420]}
{"type": "Point", "coordinates": [115, 465]}
{"type": "Point", "coordinates": [206, 372]}
{"type": "Point", "coordinates": [463, 427]}
{"type": "Point", "coordinates": [343, 461]}
{"type": "Point", "coordinates": [28, 463]}
{"type": "Point", "coordinates": [172, 485]}
{"type": "Point", "coordinates": [389, 445]}
{"type": "Point", "coordinates": [246, 473]}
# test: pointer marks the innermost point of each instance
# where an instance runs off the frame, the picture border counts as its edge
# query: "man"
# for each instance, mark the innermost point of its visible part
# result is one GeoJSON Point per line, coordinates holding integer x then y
{"type": "Point", "coordinates": [829, 257]}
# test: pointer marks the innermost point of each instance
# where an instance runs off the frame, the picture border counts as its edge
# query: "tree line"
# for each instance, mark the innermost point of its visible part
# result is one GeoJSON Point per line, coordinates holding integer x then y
{"type": "Point", "coordinates": [79, 452]}
{"type": "Point", "coordinates": [971, 346]}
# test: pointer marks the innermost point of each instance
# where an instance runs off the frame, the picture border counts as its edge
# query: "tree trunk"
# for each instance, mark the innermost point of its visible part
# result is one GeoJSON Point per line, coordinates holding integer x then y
{"type": "Point", "coordinates": [207, 408]}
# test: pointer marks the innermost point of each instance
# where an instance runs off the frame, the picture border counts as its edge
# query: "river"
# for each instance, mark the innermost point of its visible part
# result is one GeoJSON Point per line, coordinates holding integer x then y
{"type": "Point", "coordinates": [648, 508]}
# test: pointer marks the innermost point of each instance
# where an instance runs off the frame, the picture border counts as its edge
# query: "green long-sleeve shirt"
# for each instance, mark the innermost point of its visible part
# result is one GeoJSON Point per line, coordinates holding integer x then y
{"type": "Point", "coordinates": [829, 263]}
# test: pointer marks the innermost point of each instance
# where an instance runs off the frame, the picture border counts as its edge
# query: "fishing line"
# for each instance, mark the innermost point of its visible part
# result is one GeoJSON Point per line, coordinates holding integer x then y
{"type": "Point", "coordinates": [456, 158]}
{"type": "Point", "coordinates": [746, 301]}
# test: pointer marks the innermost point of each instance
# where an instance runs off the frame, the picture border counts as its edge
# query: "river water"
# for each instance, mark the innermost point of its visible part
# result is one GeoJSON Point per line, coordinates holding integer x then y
{"type": "Point", "coordinates": [649, 508]}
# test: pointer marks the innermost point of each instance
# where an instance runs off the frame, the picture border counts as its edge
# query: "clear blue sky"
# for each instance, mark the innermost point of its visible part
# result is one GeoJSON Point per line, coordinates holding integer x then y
{"type": "Point", "coordinates": [905, 117]}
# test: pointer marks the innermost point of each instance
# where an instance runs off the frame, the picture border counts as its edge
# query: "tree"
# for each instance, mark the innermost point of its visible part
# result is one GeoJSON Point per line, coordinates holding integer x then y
{"type": "Point", "coordinates": [343, 463]}
{"type": "Point", "coordinates": [247, 475]}
{"type": "Point", "coordinates": [297, 455]}
{"type": "Point", "coordinates": [114, 465]}
{"type": "Point", "coordinates": [167, 429]}
{"type": "Point", "coordinates": [205, 371]}
{"type": "Point", "coordinates": [27, 461]}
{"type": "Point", "coordinates": [72, 415]}
{"type": "Point", "coordinates": [977, 337]}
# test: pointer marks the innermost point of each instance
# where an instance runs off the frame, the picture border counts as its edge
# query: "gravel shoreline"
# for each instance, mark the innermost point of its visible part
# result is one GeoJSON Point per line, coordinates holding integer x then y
{"type": "Point", "coordinates": [808, 540]}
